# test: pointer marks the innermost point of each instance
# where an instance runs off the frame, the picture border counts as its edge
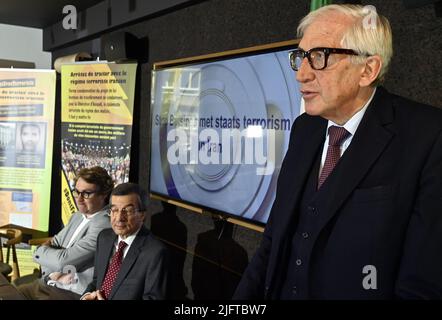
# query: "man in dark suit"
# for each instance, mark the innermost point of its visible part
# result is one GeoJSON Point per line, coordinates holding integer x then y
{"type": "Point", "coordinates": [130, 264]}
{"type": "Point", "coordinates": [358, 210]}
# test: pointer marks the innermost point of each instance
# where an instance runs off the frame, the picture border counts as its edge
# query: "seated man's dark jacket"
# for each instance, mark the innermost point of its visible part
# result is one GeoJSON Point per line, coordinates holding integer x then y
{"type": "Point", "coordinates": [144, 271]}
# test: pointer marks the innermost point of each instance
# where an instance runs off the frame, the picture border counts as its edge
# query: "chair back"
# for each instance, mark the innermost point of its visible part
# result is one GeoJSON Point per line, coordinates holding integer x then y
{"type": "Point", "coordinates": [13, 237]}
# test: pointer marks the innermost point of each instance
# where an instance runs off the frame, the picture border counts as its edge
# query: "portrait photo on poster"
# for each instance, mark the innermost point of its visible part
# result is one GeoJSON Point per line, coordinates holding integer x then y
{"type": "Point", "coordinates": [30, 139]}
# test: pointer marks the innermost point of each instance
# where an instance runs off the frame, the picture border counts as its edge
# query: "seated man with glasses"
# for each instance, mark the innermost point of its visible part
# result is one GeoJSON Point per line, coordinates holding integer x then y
{"type": "Point", "coordinates": [67, 259]}
{"type": "Point", "coordinates": [130, 263]}
{"type": "Point", "coordinates": [358, 209]}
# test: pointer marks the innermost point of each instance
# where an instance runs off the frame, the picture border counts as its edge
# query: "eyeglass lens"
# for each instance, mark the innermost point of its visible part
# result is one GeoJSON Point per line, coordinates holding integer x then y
{"type": "Point", "coordinates": [316, 59]}
{"type": "Point", "coordinates": [124, 211]}
{"type": "Point", "coordinates": [83, 194]}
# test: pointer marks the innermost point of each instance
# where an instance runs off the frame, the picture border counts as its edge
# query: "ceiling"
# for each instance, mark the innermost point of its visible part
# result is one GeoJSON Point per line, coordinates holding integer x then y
{"type": "Point", "coordinates": [38, 13]}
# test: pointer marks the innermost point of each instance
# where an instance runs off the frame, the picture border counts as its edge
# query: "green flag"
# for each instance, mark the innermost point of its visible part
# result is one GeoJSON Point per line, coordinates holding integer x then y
{"type": "Point", "coordinates": [316, 4]}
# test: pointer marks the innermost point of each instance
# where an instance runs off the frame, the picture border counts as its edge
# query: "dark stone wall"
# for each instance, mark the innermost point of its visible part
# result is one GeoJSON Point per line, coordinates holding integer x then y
{"type": "Point", "coordinates": [210, 255]}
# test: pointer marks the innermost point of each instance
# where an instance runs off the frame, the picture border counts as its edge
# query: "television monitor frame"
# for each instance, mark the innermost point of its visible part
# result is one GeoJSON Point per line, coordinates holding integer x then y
{"type": "Point", "coordinates": [189, 61]}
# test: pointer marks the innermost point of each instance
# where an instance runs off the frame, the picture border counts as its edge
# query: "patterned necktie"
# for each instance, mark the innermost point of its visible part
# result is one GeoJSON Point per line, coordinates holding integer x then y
{"type": "Point", "coordinates": [113, 269]}
{"type": "Point", "coordinates": [336, 135]}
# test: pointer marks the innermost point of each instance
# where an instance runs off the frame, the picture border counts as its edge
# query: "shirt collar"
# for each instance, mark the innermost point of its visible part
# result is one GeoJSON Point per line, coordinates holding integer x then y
{"type": "Point", "coordinates": [129, 239]}
{"type": "Point", "coordinates": [94, 214]}
{"type": "Point", "coordinates": [352, 124]}
{"type": "Point", "coordinates": [90, 217]}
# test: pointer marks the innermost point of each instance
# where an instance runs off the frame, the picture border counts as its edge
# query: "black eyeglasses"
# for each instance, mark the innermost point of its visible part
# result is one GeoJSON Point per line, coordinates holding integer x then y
{"type": "Point", "coordinates": [84, 194]}
{"type": "Point", "coordinates": [128, 211]}
{"type": "Point", "coordinates": [317, 57]}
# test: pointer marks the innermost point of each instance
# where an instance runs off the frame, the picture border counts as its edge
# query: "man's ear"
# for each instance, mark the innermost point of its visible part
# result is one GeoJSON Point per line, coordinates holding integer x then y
{"type": "Point", "coordinates": [371, 70]}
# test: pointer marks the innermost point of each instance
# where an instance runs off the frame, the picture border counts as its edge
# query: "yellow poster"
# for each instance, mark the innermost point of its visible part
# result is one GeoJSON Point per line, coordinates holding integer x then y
{"type": "Point", "coordinates": [97, 109]}
{"type": "Point", "coordinates": [27, 100]}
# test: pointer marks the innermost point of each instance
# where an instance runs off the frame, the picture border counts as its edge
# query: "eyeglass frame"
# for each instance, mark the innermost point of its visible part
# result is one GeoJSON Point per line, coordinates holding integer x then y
{"type": "Point", "coordinates": [327, 51]}
{"type": "Point", "coordinates": [113, 210]}
{"type": "Point", "coordinates": [77, 194]}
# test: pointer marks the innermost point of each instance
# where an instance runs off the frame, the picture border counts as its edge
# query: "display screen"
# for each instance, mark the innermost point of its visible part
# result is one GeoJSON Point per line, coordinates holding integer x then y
{"type": "Point", "coordinates": [220, 129]}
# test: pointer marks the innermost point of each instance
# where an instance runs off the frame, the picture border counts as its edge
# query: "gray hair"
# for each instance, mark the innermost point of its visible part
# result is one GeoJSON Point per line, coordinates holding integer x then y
{"type": "Point", "coordinates": [364, 39]}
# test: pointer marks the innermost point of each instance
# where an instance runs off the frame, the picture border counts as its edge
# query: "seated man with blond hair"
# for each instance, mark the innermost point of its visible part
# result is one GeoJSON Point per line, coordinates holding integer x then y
{"type": "Point", "coordinates": [67, 260]}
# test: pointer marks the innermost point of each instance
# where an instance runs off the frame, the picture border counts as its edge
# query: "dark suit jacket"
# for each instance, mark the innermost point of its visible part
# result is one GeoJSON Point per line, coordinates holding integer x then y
{"type": "Point", "coordinates": [143, 272]}
{"type": "Point", "coordinates": [383, 208]}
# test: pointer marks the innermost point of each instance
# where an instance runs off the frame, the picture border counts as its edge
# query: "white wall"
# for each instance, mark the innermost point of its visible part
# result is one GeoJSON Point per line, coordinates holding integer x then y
{"type": "Point", "coordinates": [24, 44]}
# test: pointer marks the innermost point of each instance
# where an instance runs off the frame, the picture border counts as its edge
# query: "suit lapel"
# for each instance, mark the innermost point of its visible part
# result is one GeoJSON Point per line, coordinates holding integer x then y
{"type": "Point", "coordinates": [105, 257]}
{"type": "Point", "coordinates": [302, 159]}
{"type": "Point", "coordinates": [72, 228]}
{"type": "Point", "coordinates": [81, 233]}
{"type": "Point", "coordinates": [370, 140]}
{"type": "Point", "coordinates": [130, 259]}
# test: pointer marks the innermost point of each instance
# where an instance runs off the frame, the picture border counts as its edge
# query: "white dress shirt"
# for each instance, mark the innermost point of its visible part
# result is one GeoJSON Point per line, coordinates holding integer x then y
{"type": "Point", "coordinates": [128, 241]}
{"type": "Point", "coordinates": [351, 126]}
